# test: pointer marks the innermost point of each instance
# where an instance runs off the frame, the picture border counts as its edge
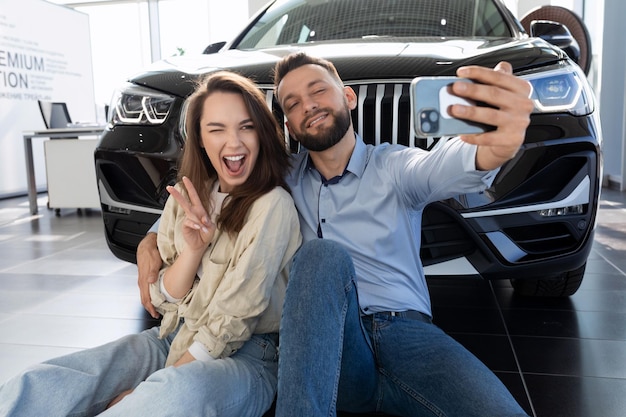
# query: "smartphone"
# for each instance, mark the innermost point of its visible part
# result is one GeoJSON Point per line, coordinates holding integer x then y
{"type": "Point", "coordinates": [430, 99]}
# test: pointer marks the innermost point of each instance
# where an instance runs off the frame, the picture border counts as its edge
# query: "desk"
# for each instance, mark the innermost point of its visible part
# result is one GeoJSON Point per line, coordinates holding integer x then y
{"type": "Point", "coordinates": [51, 134]}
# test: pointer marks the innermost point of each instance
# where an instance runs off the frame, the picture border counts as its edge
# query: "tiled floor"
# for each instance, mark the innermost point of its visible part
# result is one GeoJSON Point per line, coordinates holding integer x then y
{"type": "Point", "coordinates": [61, 290]}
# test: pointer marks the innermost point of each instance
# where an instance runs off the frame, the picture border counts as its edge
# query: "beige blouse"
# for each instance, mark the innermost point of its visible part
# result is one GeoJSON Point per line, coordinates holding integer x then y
{"type": "Point", "coordinates": [243, 282]}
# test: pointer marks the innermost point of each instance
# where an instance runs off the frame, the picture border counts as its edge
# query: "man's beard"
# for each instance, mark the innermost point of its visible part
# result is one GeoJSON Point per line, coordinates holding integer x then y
{"type": "Point", "coordinates": [326, 137]}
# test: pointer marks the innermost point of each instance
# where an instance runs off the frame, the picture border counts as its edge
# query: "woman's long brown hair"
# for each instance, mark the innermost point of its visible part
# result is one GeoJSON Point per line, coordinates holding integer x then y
{"type": "Point", "coordinates": [272, 162]}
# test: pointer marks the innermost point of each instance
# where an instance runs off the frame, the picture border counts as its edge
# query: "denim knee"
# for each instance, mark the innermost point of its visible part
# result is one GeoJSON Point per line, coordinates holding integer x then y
{"type": "Point", "coordinates": [323, 255]}
{"type": "Point", "coordinates": [321, 266]}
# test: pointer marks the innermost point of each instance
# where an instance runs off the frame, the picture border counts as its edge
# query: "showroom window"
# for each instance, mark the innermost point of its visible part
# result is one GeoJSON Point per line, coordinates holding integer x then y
{"type": "Point", "coordinates": [124, 39]}
{"type": "Point", "coordinates": [191, 25]}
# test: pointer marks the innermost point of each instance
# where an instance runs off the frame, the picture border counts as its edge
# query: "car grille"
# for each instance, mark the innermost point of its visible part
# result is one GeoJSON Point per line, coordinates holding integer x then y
{"type": "Point", "coordinates": [383, 114]}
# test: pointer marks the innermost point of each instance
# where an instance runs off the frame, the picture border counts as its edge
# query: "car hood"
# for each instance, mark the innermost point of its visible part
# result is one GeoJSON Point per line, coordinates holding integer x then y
{"type": "Point", "coordinates": [356, 61]}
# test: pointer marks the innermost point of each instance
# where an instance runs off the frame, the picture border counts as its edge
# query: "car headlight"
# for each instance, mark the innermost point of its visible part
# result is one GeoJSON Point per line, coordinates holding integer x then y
{"type": "Point", "coordinates": [135, 105]}
{"type": "Point", "coordinates": [561, 88]}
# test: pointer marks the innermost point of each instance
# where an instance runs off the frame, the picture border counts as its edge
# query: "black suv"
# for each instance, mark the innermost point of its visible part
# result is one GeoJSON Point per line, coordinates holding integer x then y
{"type": "Point", "coordinates": [534, 226]}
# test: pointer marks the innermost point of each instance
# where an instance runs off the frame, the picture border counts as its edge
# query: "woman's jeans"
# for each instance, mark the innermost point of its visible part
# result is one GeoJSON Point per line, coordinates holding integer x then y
{"type": "Point", "coordinates": [333, 358]}
{"type": "Point", "coordinates": [83, 383]}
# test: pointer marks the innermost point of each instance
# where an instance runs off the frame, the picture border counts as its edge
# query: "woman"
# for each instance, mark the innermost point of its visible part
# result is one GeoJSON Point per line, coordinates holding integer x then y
{"type": "Point", "coordinates": [227, 236]}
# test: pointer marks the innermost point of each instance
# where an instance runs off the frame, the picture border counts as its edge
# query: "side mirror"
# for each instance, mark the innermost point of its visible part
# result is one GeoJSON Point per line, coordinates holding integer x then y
{"type": "Point", "coordinates": [213, 48]}
{"type": "Point", "coordinates": [552, 32]}
{"type": "Point", "coordinates": [563, 28]}
{"type": "Point", "coordinates": [558, 35]}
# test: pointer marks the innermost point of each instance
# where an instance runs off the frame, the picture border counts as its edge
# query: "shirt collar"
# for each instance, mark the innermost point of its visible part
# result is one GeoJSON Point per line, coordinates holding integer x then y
{"type": "Point", "coordinates": [356, 164]}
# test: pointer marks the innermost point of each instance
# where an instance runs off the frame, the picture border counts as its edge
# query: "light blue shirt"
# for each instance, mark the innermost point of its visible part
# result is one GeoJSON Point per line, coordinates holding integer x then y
{"type": "Point", "coordinates": [375, 211]}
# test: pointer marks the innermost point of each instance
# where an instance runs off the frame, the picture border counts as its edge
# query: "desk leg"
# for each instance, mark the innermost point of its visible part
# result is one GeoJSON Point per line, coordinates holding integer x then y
{"type": "Point", "coordinates": [30, 174]}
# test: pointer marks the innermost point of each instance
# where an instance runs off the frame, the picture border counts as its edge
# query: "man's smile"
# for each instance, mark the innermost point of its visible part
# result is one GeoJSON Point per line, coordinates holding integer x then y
{"type": "Point", "coordinates": [317, 118]}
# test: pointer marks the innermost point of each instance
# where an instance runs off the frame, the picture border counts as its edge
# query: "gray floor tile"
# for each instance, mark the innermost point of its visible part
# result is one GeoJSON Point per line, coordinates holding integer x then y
{"type": "Point", "coordinates": [61, 290]}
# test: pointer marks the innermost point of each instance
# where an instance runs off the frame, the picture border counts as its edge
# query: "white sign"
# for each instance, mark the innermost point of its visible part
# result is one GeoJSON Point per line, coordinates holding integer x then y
{"type": "Point", "coordinates": [45, 54]}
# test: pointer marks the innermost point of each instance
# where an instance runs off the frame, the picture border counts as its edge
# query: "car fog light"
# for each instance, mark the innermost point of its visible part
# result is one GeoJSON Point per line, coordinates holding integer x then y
{"type": "Point", "coordinates": [562, 211]}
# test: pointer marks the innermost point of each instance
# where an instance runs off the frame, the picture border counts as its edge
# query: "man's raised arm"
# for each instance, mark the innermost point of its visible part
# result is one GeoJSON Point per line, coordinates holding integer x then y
{"type": "Point", "coordinates": [510, 97]}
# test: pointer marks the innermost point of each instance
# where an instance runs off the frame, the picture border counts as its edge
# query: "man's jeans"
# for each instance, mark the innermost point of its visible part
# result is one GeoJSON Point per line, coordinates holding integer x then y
{"type": "Point", "coordinates": [332, 358]}
{"type": "Point", "coordinates": [83, 383]}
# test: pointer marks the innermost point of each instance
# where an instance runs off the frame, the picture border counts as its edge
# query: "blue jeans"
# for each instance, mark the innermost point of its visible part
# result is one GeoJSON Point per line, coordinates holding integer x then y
{"type": "Point", "coordinates": [83, 383]}
{"type": "Point", "coordinates": [333, 359]}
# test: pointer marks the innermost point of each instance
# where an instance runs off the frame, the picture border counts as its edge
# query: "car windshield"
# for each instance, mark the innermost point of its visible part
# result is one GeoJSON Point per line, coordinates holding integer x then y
{"type": "Point", "coordinates": [289, 22]}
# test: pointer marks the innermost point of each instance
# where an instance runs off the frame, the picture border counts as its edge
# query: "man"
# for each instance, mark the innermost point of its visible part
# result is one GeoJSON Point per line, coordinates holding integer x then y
{"type": "Point", "coordinates": [356, 333]}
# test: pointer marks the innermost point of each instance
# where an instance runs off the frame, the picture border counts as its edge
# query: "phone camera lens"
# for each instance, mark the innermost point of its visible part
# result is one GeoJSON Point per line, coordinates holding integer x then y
{"type": "Point", "coordinates": [429, 121]}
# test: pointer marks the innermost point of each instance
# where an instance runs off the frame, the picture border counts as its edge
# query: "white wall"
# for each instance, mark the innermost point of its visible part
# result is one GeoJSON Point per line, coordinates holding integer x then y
{"type": "Point", "coordinates": [45, 54]}
{"type": "Point", "coordinates": [613, 94]}
{"type": "Point", "coordinates": [255, 5]}
{"type": "Point", "coordinates": [522, 7]}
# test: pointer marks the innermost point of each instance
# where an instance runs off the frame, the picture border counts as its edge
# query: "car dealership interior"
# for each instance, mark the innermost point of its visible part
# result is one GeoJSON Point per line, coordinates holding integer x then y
{"type": "Point", "coordinates": [68, 283]}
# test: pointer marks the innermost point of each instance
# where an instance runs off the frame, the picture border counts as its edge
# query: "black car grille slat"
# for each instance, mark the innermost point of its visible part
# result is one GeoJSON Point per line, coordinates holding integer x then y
{"type": "Point", "coordinates": [446, 244]}
{"type": "Point", "coordinates": [125, 235]}
{"type": "Point", "coordinates": [551, 238]}
{"type": "Point", "coordinates": [129, 234]}
{"type": "Point", "coordinates": [442, 237]}
{"type": "Point", "coordinates": [383, 113]}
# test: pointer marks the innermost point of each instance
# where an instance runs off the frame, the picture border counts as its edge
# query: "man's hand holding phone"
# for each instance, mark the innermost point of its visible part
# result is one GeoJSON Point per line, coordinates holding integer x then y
{"type": "Point", "coordinates": [507, 108]}
{"type": "Point", "coordinates": [431, 97]}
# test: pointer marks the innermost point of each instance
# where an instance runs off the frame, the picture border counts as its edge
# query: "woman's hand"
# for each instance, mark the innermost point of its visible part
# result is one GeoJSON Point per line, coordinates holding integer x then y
{"type": "Point", "coordinates": [198, 229]}
{"type": "Point", "coordinates": [186, 358]}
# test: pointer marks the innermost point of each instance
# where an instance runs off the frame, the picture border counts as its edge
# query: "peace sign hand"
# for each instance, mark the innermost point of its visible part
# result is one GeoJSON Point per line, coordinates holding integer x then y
{"type": "Point", "coordinates": [198, 229]}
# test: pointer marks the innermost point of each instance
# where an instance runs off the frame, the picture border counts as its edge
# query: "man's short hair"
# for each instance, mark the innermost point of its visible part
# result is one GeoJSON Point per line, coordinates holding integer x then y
{"type": "Point", "coordinates": [298, 59]}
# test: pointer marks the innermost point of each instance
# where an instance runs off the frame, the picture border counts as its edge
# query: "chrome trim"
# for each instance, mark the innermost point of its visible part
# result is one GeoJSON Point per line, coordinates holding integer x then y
{"type": "Point", "coordinates": [580, 195]}
{"type": "Point", "coordinates": [397, 93]}
{"type": "Point", "coordinates": [106, 199]}
{"type": "Point", "coordinates": [386, 81]}
{"type": "Point", "coordinates": [380, 95]}
{"type": "Point", "coordinates": [506, 247]}
{"type": "Point", "coordinates": [269, 100]}
{"type": "Point", "coordinates": [458, 266]}
{"type": "Point", "coordinates": [362, 96]}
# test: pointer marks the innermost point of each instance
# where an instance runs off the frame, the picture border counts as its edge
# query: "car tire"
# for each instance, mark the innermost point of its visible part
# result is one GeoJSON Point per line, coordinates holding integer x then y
{"type": "Point", "coordinates": [562, 285]}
